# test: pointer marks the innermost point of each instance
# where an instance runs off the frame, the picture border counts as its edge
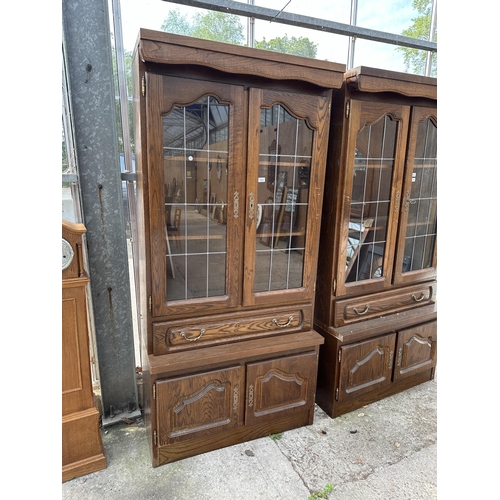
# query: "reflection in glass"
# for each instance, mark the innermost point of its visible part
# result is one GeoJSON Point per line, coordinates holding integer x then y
{"type": "Point", "coordinates": [285, 152]}
{"type": "Point", "coordinates": [195, 162]}
{"type": "Point", "coordinates": [422, 211]}
{"type": "Point", "coordinates": [370, 200]}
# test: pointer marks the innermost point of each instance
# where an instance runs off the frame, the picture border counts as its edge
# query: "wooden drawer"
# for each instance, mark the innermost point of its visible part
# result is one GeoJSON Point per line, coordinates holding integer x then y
{"type": "Point", "coordinates": [380, 304]}
{"type": "Point", "coordinates": [174, 336]}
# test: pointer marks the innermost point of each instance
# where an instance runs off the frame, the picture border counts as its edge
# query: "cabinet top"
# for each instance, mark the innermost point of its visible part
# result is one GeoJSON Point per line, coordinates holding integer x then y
{"type": "Point", "coordinates": [366, 79]}
{"type": "Point", "coordinates": [167, 48]}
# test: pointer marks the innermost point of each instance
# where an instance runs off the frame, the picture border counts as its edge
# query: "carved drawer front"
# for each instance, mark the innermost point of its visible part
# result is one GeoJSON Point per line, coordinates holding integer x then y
{"type": "Point", "coordinates": [366, 366]}
{"type": "Point", "coordinates": [199, 405]}
{"type": "Point", "coordinates": [416, 350]}
{"type": "Point", "coordinates": [380, 304]}
{"type": "Point", "coordinates": [280, 387]}
{"type": "Point", "coordinates": [181, 335]}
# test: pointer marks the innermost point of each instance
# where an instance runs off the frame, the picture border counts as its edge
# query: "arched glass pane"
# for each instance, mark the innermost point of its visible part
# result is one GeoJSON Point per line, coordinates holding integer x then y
{"type": "Point", "coordinates": [195, 156]}
{"type": "Point", "coordinates": [282, 200]}
{"type": "Point", "coordinates": [422, 212]}
{"type": "Point", "coordinates": [370, 200]}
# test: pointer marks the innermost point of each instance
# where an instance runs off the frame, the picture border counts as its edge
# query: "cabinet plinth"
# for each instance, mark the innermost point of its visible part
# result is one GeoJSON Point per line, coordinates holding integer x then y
{"type": "Point", "coordinates": [230, 155]}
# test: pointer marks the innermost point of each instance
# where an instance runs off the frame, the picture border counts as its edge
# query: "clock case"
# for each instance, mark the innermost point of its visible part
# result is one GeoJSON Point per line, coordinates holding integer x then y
{"type": "Point", "coordinates": [82, 449]}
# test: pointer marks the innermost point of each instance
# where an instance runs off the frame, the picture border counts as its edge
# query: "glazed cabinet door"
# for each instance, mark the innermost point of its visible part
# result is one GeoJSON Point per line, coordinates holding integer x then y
{"type": "Point", "coordinates": [416, 350]}
{"type": "Point", "coordinates": [199, 405]}
{"type": "Point", "coordinates": [374, 157]}
{"type": "Point", "coordinates": [417, 250]}
{"type": "Point", "coordinates": [366, 366]}
{"type": "Point", "coordinates": [287, 144]}
{"type": "Point", "coordinates": [280, 387]}
{"type": "Point", "coordinates": [196, 172]}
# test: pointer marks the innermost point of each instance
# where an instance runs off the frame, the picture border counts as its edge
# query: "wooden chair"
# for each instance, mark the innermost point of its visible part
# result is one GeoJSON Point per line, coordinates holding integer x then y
{"type": "Point", "coordinates": [175, 228]}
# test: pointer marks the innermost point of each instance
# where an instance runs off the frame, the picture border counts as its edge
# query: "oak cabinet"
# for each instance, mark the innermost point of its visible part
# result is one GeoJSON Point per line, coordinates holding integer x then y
{"type": "Point", "coordinates": [378, 248]}
{"type": "Point", "coordinates": [231, 147]}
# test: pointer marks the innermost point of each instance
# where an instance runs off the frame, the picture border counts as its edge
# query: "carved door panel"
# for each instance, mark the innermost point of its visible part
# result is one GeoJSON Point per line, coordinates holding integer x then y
{"type": "Point", "coordinates": [199, 405]}
{"type": "Point", "coordinates": [366, 366]}
{"type": "Point", "coordinates": [77, 392]}
{"type": "Point", "coordinates": [280, 387]}
{"type": "Point", "coordinates": [416, 350]}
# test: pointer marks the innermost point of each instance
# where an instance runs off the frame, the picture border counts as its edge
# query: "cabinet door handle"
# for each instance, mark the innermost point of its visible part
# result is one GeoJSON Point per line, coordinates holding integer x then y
{"type": "Point", "coordinates": [236, 205]}
{"type": "Point", "coordinates": [422, 297]}
{"type": "Point", "coordinates": [400, 356]}
{"type": "Point", "coordinates": [288, 323]}
{"type": "Point", "coordinates": [355, 309]}
{"type": "Point", "coordinates": [251, 206]}
{"type": "Point", "coordinates": [398, 197]}
{"type": "Point", "coordinates": [391, 359]}
{"type": "Point", "coordinates": [185, 337]}
{"type": "Point", "coordinates": [407, 201]}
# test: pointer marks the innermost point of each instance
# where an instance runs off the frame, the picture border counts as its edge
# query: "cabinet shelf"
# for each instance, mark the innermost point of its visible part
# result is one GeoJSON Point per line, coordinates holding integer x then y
{"type": "Point", "coordinates": [284, 163]}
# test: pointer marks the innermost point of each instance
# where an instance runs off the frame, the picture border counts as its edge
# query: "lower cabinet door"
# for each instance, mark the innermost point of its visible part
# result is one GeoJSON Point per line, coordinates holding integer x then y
{"type": "Point", "coordinates": [280, 387]}
{"type": "Point", "coordinates": [366, 366]}
{"type": "Point", "coordinates": [198, 405]}
{"type": "Point", "coordinates": [416, 350]}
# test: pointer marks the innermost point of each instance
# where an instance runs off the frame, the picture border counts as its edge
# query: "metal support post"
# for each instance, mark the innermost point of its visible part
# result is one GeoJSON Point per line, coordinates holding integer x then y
{"type": "Point", "coordinates": [87, 49]}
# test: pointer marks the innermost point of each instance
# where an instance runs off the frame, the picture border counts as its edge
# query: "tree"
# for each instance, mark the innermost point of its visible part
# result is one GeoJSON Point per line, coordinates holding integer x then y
{"type": "Point", "coordinates": [176, 23]}
{"type": "Point", "coordinates": [129, 85]}
{"type": "Point", "coordinates": [414, 59]}
{"type": "Point", "coordinates": [298, 46]}
{"type": "Point", "coordinates": [227, 28]}
{"type": "Point", "coordinates": [210, 26]}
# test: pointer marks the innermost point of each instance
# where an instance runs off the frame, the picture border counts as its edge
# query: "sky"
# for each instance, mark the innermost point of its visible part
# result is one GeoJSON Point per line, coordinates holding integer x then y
{"type": "Point", "coordinates": [391, 16]}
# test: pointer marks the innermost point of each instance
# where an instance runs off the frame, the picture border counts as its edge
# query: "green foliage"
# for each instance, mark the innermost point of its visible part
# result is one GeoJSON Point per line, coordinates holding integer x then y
{"type": "Point", "coordinates": [129, 84]}
{"type": "Point", "coordinates": [414, 59]}
{"type": "Point", "coordinates": [227, 28]}
{"type": "Point", "coordinates": [322, 494]}
{"type": "Point", "coordinates": [276, 437]}
{"type": "Point", "coordinates": [176, 23]}
{"type": "Point", "coordinates": [298, 46]}
{"type": "Point", "coordinates": [216, 26]}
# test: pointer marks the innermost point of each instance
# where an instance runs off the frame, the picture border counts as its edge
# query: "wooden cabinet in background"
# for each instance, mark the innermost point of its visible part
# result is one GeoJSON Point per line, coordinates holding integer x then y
{"type": "Point", "coordinates": [231, 147]}
{"type": "Point", "coordinates": [82, 450]}
{"type": "Point", "coordinates": [376, 285]}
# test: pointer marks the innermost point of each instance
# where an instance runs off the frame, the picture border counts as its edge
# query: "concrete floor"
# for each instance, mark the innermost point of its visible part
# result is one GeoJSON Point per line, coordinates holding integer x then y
{"type": "Point", "coordinates": [385, 451]}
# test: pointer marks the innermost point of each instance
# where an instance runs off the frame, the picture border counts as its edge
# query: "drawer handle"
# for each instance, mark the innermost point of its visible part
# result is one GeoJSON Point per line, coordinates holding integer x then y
{"type": "Point", "coordinates": [288, 323]}
{"type": "Point", "coordinates": [184, 336]}
{"type": "Point", "coordinates": [422, 297]}
{"type": "Point", "coordinates": [362, 312]}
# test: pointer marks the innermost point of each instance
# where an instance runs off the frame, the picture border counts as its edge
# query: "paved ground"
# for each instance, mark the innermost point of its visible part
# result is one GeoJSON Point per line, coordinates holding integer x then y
{"type": "Point", "coordinates": [386, 451]}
